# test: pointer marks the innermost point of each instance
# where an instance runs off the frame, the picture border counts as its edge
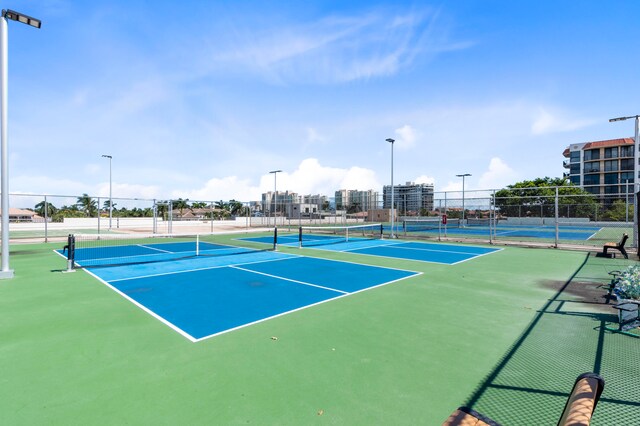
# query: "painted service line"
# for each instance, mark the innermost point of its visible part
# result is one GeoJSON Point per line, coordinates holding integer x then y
{"type": "Point", "coordinates": [288, 279]}
{"type": "Point", "coordinates": [184, 271]}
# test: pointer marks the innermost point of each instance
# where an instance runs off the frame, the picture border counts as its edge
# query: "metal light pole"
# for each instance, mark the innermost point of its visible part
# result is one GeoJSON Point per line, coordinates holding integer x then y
{"type": "Point", "coordinates": [393, 235]}
{"type": "Point", "coordinates": [636, 156]}
{"type": "Point", "coordinates": [4, 84]}
{"type": "Point", "coordinates": [463, 176]}
{"type": "Point", "coordinates": [275, 196]}
{"type": "Point", "coordinates": [110, 199]}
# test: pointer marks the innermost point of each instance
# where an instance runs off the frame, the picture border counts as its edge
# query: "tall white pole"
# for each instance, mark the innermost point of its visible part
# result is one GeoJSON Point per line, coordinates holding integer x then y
{"type": "Point", "coordinates": [110, 198]}
{"type": "Point", "coordinates": [463, 176]}
{"type": "Point", "coordinates": [393, 235]}
{"type": "Point", "coordinates": [275, 199]}
{"type": "Point", "coordinates": [636, 168]}
{"type": "Point", "coordinates": [4, 184]}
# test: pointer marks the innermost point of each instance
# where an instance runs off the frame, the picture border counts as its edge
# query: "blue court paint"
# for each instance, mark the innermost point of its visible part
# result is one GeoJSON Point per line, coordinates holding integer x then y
{"type": "Point", "coordinates": [207, 302]}
{"type": "Point", "coordinates": [202, 297]}
{"type": "Point", "coordinates": [342, 276]}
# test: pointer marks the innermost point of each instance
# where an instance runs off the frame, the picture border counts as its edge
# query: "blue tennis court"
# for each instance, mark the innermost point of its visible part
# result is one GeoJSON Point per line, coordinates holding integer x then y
{"type": "Point", "coordinates": [449, 254]}
{"type": "Point", "coordinates": [205, 296]}
{"type": "Point", "coordinates": [579, 233]}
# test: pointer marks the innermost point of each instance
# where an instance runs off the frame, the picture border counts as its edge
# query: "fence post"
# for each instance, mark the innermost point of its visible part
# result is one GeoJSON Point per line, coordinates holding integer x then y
{"type": "Point", "coordinates": [46, 219]}
{"type": "Point", "coordinates": [556, 215]}
{"type": "Point", "coordinates": [98, 215]}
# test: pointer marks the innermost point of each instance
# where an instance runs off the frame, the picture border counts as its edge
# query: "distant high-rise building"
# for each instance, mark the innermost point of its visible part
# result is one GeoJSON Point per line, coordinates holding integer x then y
{"type": "Point", "coordinates": [409, 198]}
{"type": "Point", "coordinates": [356, 201]}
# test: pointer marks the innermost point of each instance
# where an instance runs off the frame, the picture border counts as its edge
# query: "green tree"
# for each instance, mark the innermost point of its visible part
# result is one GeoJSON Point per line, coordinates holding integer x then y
{"type": "Point", "coordinates": [537, 198]}
{"type": "Point", "coordinates": [105, 206]}
{"type": "Point", "coordinates": [235, 207]}
{"type": "Point", "coordinates": [618, 212]}
{"type": "Point", "coordinates": [181, 204]}
{"type": "Point", "coordinates": [198, 205]}
{"type": "Point", "coordinates": [87, 205]}
{"type": "Point", "coordinates": [51, 210]}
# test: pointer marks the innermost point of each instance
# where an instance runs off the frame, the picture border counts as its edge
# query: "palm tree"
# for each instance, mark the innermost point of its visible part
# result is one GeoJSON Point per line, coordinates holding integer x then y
{"type": "Point", "coordinates": [181, 204]}
{"type": "Point", "coordinates": [87, 205]}
{"type": "Point", "coordinates": [105, 205]}
{"type": "Point", "coordinates": [42, 205]}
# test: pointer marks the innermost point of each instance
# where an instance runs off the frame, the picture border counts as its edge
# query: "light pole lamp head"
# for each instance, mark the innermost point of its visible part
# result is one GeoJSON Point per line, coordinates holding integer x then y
{"type": "Point", "coordinates": [107, 156]}
{"type": "Point", "coordinates": [464, 175]}
{"type": "Point", "coordinates": [611, 120]}
{"type": "Point", "coordinates": [391, 141]}
{"type": "Point", "coordinates": [21, 17]}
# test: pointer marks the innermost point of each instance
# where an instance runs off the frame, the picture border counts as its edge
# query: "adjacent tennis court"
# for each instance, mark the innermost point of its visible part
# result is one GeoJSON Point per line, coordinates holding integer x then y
{"type": "Point", "coordinates": [206, 295]}
{"type": "Point", "coordinates": [449, 254]}
{"type": "Point", "coordinates": [484, 227]}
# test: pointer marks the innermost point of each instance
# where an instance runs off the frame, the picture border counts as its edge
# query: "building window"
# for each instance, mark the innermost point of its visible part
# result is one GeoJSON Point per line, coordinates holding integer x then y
{"type": "Point", "coordinates": [592, 189]}
{"type": "Point", "coordinates": [626, 176]}
{"type": "Point", "coordinates": [592, 167]}
{"type": "Point", "coordinates": [611, 152]}
{"type": "Point", "coordinates": [574, 157]}
{"type": "Point", "coordinates": [613, 189]}
{"type": "Point", "coordinates": [626, 151]}
{"type": "Point", "coordinates": [611, 166]}
{"type": "Point", "coordinates": [592, 154]}
{"type": "Point", "coordinates": [626, 164]}
{"type": "Point", "coordinates": [575, 179]}
{"type": "Point", "coordinates": [610, 178]}
{"type": "Point", "coordinates": [574, 169]}
{"type": "Point", "coordinates": [591, 180]}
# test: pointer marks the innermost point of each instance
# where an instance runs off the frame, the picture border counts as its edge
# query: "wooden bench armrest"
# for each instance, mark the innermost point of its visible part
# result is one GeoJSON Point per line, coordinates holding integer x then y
{"type": "Point", "coordinates": [582, 401]}
{"type": "Point", "coordinates": [465, 416]}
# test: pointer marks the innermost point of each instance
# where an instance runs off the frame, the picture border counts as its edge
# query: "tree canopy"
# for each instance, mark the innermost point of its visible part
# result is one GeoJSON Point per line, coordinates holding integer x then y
{"type": "Point", "coordinates": [537, 197]}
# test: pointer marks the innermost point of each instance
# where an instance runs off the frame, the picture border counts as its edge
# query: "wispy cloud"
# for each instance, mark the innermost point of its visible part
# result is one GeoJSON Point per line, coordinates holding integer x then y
{"type": "Point", "coordinates": [557, 121]}
{"type": "Point", "coordinates": [341, 48]}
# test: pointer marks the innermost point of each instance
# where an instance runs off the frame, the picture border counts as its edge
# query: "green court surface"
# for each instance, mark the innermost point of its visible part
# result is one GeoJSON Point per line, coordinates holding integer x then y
{"type": "Point", "coordinates": [505, 334]}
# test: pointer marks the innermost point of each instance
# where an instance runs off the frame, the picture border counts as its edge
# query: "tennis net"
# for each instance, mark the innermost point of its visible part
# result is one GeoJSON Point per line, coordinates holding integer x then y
{"type": "Point", "coordinates": [98, 250]}
{"type": "Point", "coordinates": [322, 235]}
{"type": "Point", "coordinates": [485, 221]}
{"type": "Point", "coordinates": [428, 225]}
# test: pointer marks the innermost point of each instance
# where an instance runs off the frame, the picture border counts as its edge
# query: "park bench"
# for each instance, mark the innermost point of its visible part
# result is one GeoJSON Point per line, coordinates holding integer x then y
{"type": "Point", "coordinates": [616, 246]}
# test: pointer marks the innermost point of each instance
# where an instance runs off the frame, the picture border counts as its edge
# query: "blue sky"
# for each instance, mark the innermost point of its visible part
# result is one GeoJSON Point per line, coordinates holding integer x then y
{"type": "Point", "coordinates": [201, 99]}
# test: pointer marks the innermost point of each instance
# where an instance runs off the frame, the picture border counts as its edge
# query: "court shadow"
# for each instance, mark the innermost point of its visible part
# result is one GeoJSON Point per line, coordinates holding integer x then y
{"type": "Point", "coordinates": [567, 337]}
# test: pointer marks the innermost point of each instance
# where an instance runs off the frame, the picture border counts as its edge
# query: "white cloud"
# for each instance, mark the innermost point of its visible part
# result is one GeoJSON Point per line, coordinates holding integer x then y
{"type": "Point", "coordinates": [497, 176]}
{"type": "Point", "coordinates": [548, 122]}
{"type": "Point", "coordinates": [424, 179]}
{"type": "Point", "coordinates": [313, 178]}
{"type": "Point", "coordinates": [313, 136]}
{"type": "Point", "coordinates": [405, 137]}
{"type": "Point", "coordinates": [226, 188]}
{"type": "Point", "coordinates": [341, 48]}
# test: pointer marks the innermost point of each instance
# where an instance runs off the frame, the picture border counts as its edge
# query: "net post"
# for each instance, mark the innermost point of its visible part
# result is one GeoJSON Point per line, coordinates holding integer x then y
{"type": "Point", "coordinates": [197, 244]}
{"type": "Point", "coordinates": [381, 231]}
{"type": "Point", "coordinates": [275, 239]}
{"type": "Point", "coordinates": [300, 237]}
{"type": "Point", "coordinates": [71, 252]}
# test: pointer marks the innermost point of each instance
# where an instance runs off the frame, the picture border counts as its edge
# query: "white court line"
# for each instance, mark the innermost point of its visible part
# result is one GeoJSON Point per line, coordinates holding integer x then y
{"type": "Point", "coordinates": [160, 250]}
{"type": "Point", "coordinates": [439, 251]}
{"type": "Point", "coordinates": [144, 308]}
{"type": "Point", "coordinates": [184, 271]}
{"type": "Point", "coordinates": [289, 279]}
{"type": "Point", "coordinates": [303, 307]}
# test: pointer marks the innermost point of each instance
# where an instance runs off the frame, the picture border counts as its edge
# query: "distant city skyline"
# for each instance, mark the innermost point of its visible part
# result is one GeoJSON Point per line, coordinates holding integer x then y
{"type": "Point", "coordinates": [204, 105]}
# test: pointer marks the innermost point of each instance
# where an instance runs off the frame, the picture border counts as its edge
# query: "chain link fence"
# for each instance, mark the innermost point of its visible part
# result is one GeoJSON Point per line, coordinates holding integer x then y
{"type": "Point", "coordinates": [549, 216]}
